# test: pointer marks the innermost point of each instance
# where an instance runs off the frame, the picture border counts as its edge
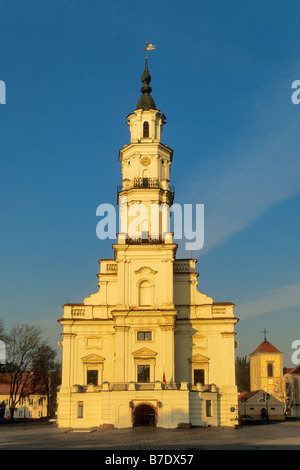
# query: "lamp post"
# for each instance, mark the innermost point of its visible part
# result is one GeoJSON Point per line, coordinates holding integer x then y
{"type": "Point", "coordinates": [266, 397]}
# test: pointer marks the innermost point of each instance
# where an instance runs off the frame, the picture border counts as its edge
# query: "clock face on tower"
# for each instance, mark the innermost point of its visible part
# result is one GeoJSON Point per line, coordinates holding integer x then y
{"type": "Point", "coordinates": [145, 161]}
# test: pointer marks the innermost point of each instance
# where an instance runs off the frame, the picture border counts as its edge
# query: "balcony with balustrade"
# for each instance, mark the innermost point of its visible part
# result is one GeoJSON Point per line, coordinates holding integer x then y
{"type": "Point", "coordinates": [147, 183]}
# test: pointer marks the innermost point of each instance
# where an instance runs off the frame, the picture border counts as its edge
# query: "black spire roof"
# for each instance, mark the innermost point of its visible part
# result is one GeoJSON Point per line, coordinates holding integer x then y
{"type": "Point", "coordinates": [146, 101]}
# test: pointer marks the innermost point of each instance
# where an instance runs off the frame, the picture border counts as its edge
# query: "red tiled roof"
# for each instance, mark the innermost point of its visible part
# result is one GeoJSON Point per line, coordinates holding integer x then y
{"type": "Point", "coordinates": [292, 370]}
{"type": "Point", "coordinates": [265, 346]}
{"type": "Point", "coordinates": [244, 396]}
{"type": "Point", "coordinates": [30, 388]}
{"type": "Point", "coordinates": [4, 384]}
{"type": "Point", "coordinates": [4, 389]}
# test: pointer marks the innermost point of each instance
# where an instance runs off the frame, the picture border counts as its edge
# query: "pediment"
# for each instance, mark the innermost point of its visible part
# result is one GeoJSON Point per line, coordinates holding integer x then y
{"type": "Point", "coordinates": [145, 270]}
{"type": "Point", "coordinates": [93, 359]}
{"type": "Point", "coordinates": [144, 352]}
{"type": "Point", "coordinates": [199, 358]}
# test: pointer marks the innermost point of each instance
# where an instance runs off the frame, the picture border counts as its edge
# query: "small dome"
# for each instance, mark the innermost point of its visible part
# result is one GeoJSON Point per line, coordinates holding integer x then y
{"type": "Point", "coordinates": [146, 102]}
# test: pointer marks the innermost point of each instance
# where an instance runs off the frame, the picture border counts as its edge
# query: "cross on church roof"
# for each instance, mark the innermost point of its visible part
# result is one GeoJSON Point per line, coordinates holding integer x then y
{"type": "Point", "coordinates": [264, 332]}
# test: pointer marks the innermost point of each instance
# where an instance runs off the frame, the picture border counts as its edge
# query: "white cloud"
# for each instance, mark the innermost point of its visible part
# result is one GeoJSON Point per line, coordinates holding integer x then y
{"type": "Point", "coordinates": [252, 185]}
{"type": "Point", "coordinates": [262, 170]}
{"type": "Point", "coordinates": [279, 299]}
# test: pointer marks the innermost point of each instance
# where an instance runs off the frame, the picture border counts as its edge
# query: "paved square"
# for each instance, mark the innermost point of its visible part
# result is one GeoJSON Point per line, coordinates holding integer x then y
{"type": "Point", "coordinates": [273, 436]}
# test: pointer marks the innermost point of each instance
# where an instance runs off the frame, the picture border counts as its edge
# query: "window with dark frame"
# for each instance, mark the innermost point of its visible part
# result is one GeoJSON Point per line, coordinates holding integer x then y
{"type": "Point", "coordinates": [143, 373]}
{"type": "Point", "coordinates": [199, 376]}
{"type": "Point", "coordinates": [270, 369]}
{"type": "Point", "coordinates": [146, 129]}
{"type": "Point", "coordinates": [80, 409]}
{"type": "Point", "coordinates": [208, 408]}
{"type": "Point", "coordinates": [144, 335]}
{"type": "Point", "coordinates": [92, 377]}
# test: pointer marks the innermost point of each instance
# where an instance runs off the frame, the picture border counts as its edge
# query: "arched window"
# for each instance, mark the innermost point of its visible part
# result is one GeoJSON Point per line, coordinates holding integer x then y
{"type": "Point", "coordinates": [270, 370]}
{"type": "Point", "coordinates": [146, 129]}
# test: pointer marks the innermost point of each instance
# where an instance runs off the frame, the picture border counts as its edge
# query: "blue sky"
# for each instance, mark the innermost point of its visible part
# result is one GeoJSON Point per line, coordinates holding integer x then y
{"type": "Point", "coordinates": [222, 74]}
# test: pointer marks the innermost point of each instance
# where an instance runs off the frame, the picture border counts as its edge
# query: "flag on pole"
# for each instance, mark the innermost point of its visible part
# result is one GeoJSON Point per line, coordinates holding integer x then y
{"type": "Point", "coordinates": [164, 378]}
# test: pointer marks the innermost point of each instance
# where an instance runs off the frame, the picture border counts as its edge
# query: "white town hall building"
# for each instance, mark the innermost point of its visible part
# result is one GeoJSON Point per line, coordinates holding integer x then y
{"type": "Point", "coordinates": [148, 348]}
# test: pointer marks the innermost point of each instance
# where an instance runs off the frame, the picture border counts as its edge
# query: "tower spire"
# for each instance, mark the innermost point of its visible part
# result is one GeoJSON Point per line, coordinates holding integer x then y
{"type": "Point", "coordinates": [146, 79]}
{"type": "Point", "coordinates": [146, 101]}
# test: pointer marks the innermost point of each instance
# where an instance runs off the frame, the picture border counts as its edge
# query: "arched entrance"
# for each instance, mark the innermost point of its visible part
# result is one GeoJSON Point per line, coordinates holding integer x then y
{"type": "Point", "coordinates": [144, 415]}
{"type": "Point", "coordinates": [264, 414]}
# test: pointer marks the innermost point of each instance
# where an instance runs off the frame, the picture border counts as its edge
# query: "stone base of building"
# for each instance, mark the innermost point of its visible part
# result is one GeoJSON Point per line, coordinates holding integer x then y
{"type": "Point", "coordinates": [134, 405]}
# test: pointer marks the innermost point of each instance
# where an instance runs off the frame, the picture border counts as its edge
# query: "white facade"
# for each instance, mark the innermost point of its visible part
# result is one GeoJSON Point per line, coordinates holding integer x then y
{"type": "Point", "coordinates": [147, 347]}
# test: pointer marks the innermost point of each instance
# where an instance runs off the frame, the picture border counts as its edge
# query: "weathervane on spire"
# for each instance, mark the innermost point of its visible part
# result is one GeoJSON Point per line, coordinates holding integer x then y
{"type": "Point", "coordinates": [149, 47]}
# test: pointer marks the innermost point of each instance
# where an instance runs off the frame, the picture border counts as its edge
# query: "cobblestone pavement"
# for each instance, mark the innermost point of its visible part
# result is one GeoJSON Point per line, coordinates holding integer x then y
{"type": "Point", "coordinates": [272, 436]}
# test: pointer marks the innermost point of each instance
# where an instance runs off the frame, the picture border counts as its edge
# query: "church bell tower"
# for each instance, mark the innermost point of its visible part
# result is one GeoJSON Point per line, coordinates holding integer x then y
{"type": "Point", "coordinates": [145, 194]}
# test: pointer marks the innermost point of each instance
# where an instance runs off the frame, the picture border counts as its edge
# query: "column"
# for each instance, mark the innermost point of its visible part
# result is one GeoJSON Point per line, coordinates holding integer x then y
{"type": "Point", "coordinates": [121, 353]}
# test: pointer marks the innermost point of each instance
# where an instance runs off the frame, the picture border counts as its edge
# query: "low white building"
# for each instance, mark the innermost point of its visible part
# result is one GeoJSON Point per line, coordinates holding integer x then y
{"type": "Point", "coordinates": [31, 405]}
{"type": "Point", "coordinates": [260, 404]}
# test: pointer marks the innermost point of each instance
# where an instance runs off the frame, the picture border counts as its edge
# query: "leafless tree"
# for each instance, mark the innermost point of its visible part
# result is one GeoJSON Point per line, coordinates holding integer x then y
{"type": "Point", "coordinates": [44, 368]}
{"type": "Point", "coordinates": [291, 392]}
{"type": "Point", "coordinates": [22, 344]}
{"type": "Point", "coordinates": [242, 374]}
{"type": "Point", "coordinates": [2, 344]}
{"type": "Point", "coordinates": [1, 328]}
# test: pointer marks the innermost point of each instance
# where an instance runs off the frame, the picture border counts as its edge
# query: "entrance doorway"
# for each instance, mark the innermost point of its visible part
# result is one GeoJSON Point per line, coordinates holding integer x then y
{"type": "Point", "coordinates": [144, 415]}
{"type": "Point", "coordinates": [264, 414]}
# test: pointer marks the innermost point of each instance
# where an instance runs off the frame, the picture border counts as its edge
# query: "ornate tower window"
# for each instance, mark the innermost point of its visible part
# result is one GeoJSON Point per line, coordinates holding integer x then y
{"type": "Point", "coordinates": [146, 129]}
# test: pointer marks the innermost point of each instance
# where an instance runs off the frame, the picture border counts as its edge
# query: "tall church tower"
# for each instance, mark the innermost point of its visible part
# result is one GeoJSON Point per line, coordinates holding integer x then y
{"type": "Point", "coordinates": [145, 166]}
{"type": "Point", "coordinates": [147, 347]}
{"type": "Point", "coordinates": [145, 252]}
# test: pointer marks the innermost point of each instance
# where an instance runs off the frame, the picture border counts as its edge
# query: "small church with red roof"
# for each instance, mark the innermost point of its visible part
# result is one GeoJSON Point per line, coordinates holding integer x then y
{"type": "Point", "coordinates": [268, 376]}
